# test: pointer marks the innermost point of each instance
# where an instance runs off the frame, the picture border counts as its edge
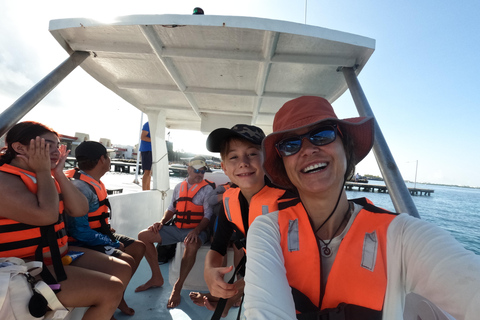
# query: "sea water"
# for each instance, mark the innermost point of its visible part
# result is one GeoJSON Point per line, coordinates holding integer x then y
{"type": "Point", "coordinates": [454, 209]}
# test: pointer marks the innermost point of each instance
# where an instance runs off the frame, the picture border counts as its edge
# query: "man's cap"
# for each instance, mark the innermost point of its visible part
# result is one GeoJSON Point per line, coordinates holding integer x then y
{"type": "Point", "coordinates": [90, 150]}
{"type": "Point", "coordinates": [198, 162]}
{"type": "Point", "coordinates": [243, 131]}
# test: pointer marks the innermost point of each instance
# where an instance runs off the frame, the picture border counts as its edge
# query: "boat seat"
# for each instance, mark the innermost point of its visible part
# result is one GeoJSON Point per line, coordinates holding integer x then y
{"type": "Point", "coordinates": [420, 308]}
{"type": "Point", "coordinates": [195, 280]}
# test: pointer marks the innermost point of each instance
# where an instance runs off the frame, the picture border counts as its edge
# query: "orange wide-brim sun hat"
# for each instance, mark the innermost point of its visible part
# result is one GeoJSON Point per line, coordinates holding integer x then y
{"type": "Point", "coordinates": [304, 112]}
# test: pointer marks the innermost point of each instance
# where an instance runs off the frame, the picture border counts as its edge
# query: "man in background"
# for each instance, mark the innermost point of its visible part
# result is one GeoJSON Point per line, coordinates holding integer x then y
{"type": "Point", "coordinates": [192, 217]}
{"type": "Point", "coordinates": [146, 152]}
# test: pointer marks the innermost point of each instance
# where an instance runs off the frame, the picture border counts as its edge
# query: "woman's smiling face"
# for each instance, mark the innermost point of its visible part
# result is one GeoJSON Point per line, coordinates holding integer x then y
{"type": "Point", "coordinates": [314, 168]}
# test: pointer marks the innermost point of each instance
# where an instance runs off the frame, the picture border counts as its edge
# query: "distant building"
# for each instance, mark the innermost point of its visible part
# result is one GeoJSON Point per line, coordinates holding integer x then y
{"type": "Point", "coordinates": [73, 142]}
{"type": "Point", "coordinates": [124, 152]}
{"type": "Point", "coordinates": [69, 141]}
{"type": "Point", "coordinates": [107, 143]}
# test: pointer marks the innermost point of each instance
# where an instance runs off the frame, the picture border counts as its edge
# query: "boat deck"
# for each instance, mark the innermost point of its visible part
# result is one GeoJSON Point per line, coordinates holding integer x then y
{"type": "Point", "coordinates": [151, 304]}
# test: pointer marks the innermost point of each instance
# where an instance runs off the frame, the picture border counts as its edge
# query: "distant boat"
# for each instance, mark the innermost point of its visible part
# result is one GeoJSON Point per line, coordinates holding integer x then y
{"type": "Point", "coordinates": [358, 178]}
{"type": "Point", "coordinates": [178, 170]}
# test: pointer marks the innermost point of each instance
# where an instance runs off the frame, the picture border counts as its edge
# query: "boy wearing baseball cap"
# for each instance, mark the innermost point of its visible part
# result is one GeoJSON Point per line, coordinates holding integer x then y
{"type": "Point", "coordinates": [251, 195]}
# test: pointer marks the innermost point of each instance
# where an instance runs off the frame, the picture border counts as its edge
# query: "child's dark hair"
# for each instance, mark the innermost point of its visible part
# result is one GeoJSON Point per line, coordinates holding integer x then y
{"type": "Point", "coordinates": [22, 132]}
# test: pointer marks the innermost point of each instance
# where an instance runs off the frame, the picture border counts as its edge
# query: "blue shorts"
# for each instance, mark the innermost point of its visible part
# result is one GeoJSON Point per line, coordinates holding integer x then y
{"type": "Point", "coordinates": [111, 251]}
{"type": "Point", "coordinates": [146, 160]}
{"type": "Point", "coordinates": [172, 234]}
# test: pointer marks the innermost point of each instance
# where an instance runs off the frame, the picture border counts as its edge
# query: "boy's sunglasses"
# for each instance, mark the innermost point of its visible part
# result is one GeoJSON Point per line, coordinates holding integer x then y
{"type": "Point", "coordinates": [202, 171]}
{"type": "Point", "coordinates": [319, 136]}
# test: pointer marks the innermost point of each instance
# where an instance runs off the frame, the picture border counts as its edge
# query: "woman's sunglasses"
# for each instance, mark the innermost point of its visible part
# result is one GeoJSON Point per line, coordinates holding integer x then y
{"type": "Point", "coordinates": [318, 136]}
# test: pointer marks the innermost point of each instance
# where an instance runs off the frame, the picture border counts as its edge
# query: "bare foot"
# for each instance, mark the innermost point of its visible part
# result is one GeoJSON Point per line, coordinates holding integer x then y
{"type": "Point", "coordinates": [209, 304]}
{"type": "Point", "coordinates": [150, 284]}
{"type": "Point", "coordinates": [198, 298]}
{"type": "Point", "coordinates": [125, 308]}
{"type": "Point", "coordinates": [174, 299]}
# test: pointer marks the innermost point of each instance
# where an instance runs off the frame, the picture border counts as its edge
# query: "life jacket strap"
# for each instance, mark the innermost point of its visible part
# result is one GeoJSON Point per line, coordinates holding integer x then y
{"type": "Point", "coordinates": [49, 239]}
{"type": "Point", "coordinates": [343, 312]}
{"type": "Point", "coordinates": [222, 302]}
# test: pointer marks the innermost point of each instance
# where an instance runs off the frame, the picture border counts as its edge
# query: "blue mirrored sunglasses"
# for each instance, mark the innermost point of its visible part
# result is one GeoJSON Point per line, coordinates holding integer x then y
{"type": "Point", "coordinates": [202, 171]}
{"type": "Point", "coordinates": [319, 136]}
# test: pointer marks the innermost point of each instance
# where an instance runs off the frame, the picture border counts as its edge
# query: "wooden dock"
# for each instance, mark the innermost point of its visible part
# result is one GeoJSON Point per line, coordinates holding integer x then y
{"type": "Point", "coordinates": [367, 187]}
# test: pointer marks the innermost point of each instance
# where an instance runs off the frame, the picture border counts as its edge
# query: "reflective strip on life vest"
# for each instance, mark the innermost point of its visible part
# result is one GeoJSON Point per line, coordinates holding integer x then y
{"type": "Point", "coordinates": [360, 263]}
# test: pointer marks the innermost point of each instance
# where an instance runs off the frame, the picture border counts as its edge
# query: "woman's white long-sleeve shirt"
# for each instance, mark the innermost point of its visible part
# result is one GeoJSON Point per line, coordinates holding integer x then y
{"type": "Point", "coordinates": [421, 258]}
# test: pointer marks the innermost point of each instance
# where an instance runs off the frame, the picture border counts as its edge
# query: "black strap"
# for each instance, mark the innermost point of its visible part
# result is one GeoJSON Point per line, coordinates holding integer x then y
{"type": "Point", "coordinates": [212, 184]}
{"type": "Point", "coordinates": [76, 174]}
{"type": "Point", "coordinates": [285, 203]}
{"type": "Point", "coordinates": [343, 312]}
{"type": "Point", "coordinates": [105, 227]}
{"type": "Point", "coordinates": [303, 304]}
{"type": "Point", "coordinates": [370, 207]}
{"type": "Point", "coordinates": [49, 239]}
{"type": "Point", "coordinates": [222, 302]}
{"type": "Point", "coordinates": [309, 311]}
{"type": "Point", "coordinates": [19, 244]}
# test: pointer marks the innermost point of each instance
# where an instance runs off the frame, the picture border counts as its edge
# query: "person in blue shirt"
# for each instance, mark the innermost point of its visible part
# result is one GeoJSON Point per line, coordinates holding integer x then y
{"type": "Point", "coordinates": [146, 152]}
{"type": "Point", "coordinates": [93, 230]}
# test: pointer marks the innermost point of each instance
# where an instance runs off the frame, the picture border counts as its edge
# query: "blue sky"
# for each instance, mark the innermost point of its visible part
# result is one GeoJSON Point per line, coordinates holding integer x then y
{"type": "Point", "coordinates": [421, 82]}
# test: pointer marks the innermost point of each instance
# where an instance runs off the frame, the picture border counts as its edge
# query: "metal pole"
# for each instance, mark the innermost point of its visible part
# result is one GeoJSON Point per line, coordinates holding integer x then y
{"type": "Point", "coordinates": [138, 151]}
{"type": "Point", "coordinates": [416, 169]}
{"type": "Point", "coordinates": [32, 97]}
{"type": "Point", "coordinates": [306, 11]}
{"type": "Point", "coordinates": [401, 198]}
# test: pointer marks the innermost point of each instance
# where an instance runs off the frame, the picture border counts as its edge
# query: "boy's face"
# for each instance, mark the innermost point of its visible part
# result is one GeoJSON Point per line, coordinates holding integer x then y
{"type": "Point", "coordinates": [243, 165]}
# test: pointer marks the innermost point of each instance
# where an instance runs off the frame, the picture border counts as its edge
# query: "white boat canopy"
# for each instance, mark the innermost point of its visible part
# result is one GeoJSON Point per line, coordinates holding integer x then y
{"type": "Point", "coordinates": [206, 71]}
{"type": "Point", "coordinates": [202, 72]}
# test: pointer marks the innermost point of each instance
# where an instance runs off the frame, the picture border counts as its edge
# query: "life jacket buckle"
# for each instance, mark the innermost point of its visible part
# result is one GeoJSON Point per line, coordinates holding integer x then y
{"type": "Point", "coordinates": [337, 313]}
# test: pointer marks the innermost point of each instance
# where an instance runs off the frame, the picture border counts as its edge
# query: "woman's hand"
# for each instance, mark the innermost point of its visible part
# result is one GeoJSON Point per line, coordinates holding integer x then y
{"type": "Point", "coordinates": [37, 156]}
{"type": "Point", "coordinates": [214, 277]}
{"type": "Point", "coordinates": [61, 160]}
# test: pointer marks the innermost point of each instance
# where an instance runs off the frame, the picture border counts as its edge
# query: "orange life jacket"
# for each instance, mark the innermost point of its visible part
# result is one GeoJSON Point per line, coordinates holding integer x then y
{"type": "Point", "coordinates": [22, 240]}
{"type": "Point", "coordinates": [188, 214]}
{"type": "Point", "coordinates": [263, 202]}
{"type": "Point", "coordinates": [359, 273]}
{"type": "Point", "coordinates": [97, 220]}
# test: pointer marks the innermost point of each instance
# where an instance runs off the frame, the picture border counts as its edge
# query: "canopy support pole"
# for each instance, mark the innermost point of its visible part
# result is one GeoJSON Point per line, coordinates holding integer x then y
{"type": "Point", "coordinates": [32, 97]}
{"type": "Point", "coordinates": [137, 165]}
{"type": "Point", "coordinates": [401, 198]}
